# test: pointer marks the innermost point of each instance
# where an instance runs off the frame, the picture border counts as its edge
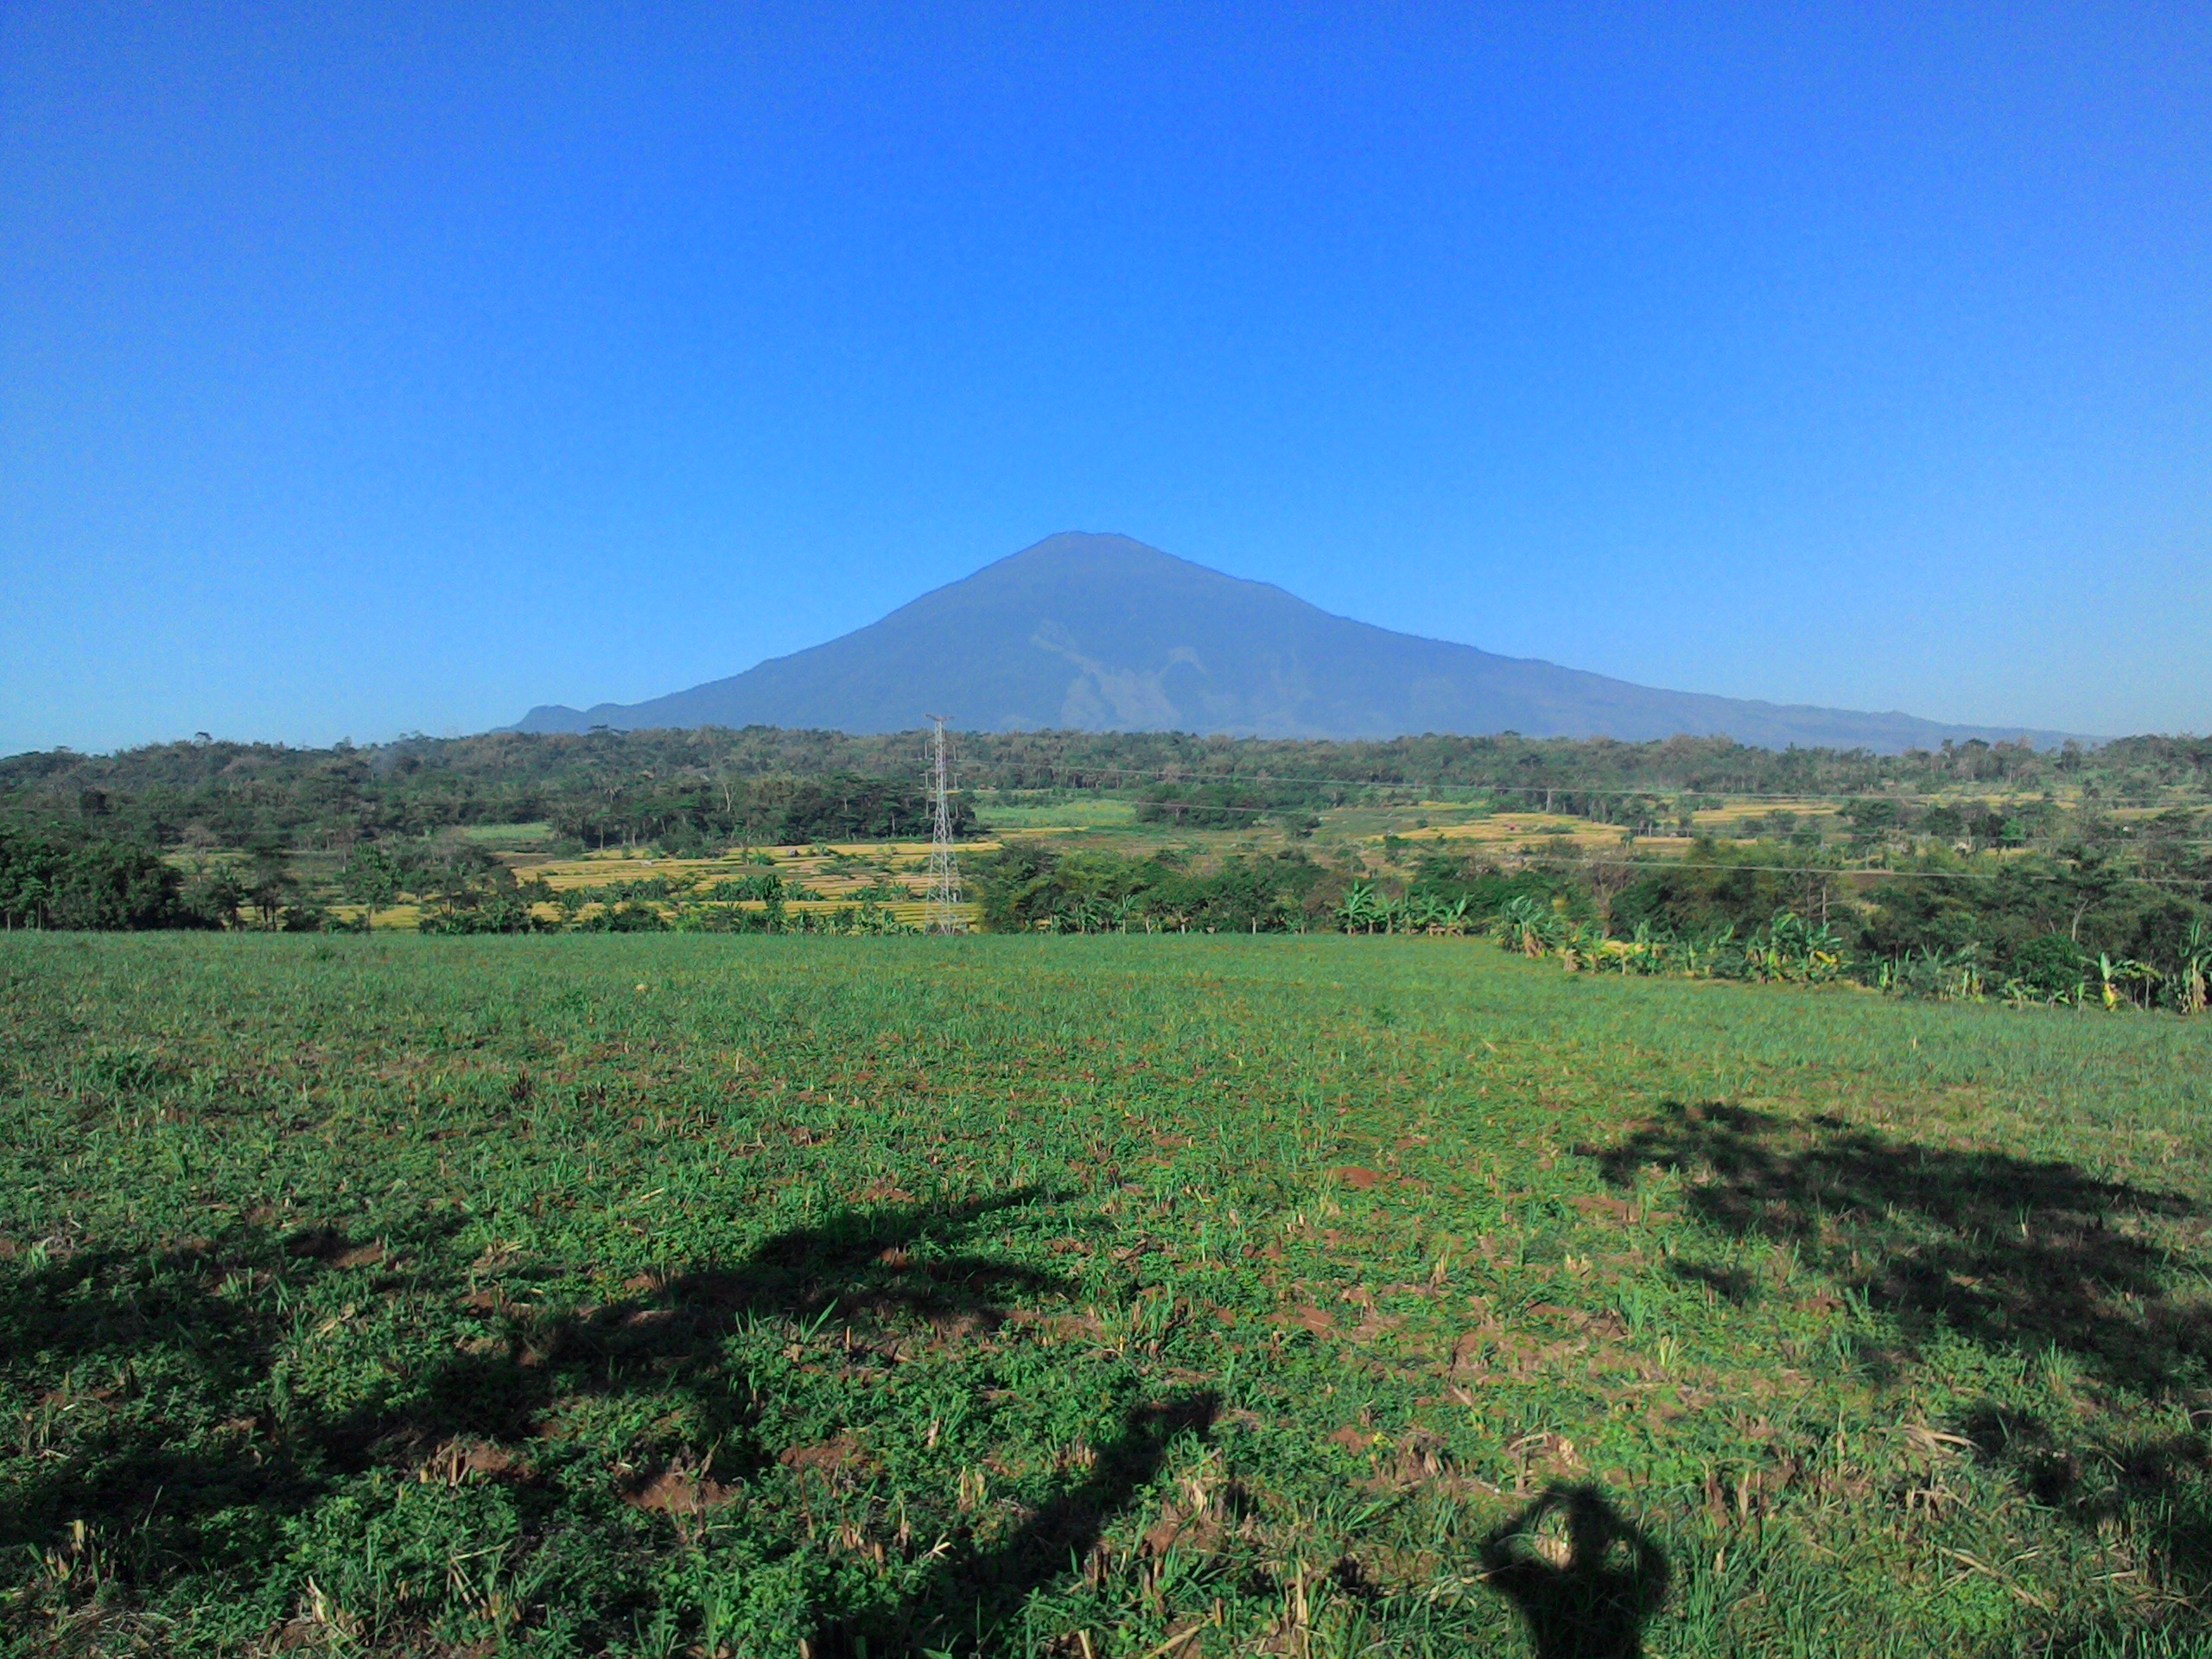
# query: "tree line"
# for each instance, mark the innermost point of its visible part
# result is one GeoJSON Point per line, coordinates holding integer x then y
{"type": "Point", "coordinates": [1943, 924]}
{"type": "Point", "coordinates": [1964, 857]}
{"type": "Point", "coordinates": [631, 787]}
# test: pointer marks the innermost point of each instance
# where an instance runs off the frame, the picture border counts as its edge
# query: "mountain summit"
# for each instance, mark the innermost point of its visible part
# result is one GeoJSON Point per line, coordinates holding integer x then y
{"type": "Point", "coordinates": [1102, 632]}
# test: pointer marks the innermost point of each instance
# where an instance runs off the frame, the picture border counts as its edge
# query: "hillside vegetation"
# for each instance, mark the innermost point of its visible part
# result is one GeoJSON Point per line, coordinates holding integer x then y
{"type": "Point", "coordinates": [1976, 870]}
{"type": "Point", "coordinates": [641, 784]}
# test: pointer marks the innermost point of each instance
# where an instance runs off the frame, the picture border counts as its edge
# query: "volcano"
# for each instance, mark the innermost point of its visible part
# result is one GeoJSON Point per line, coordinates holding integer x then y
{"type": "Point", "coordinates": [1100, 632]}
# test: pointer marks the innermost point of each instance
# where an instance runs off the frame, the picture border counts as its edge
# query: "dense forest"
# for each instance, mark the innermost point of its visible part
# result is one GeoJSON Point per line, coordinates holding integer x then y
{"type": "Point", "coordinates": [676, 789]}
{"type": "Point", "coordinates": [688, 787]}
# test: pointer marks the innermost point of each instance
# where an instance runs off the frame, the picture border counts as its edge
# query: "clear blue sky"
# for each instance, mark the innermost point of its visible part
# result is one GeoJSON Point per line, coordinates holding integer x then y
{"type": "Point", "coordinates": [365, 369]}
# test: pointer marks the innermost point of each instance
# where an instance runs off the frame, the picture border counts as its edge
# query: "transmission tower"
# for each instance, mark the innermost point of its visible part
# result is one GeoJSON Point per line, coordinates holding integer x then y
{"type": "Point", "coordinates": [945, 912]}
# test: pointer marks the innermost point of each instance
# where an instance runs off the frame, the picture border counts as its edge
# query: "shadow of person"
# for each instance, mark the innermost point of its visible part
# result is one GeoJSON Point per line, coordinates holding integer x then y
{"type": "Point", "coordinates": [1584, 1578]}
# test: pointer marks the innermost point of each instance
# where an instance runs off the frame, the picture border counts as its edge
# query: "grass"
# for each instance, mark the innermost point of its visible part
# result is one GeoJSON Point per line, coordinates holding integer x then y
{"type": "Point", "coordinates": [1112, 1296]}
{"type": "Point", "coordinates": [1101, 812]}
{"type": "Point", "coordinates": [518, 836]}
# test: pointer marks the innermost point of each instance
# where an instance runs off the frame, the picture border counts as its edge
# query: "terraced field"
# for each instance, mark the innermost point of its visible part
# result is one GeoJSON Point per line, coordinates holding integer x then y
{"type": "Point", "coordinates": [1107, 1296]}
{"type": "Point", "coordinates": [842, 876]}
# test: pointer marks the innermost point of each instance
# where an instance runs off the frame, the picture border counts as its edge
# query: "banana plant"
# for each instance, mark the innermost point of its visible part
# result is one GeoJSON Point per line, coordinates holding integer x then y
{"type": "Point", "coordinates": [1361, 908]}
{"type": "Point", "coordinates": [1795, 949]}
{"type": "Point", "coordinates": [2110, 977]}
{"type": "Point", "coordinates": [1438, 917]}
{"type": "Point", "coordinates": [1582, 947]}
{"type": "Point", "coordinates": [2189, 981]}
{"type": "Point", "coordinates": [1643, 954]}
{"type": "Point", "coordinates": [2117, 979]}
{"type": "Point", "coordinates": [1528, 925]}
{"type": "Point", "coordinates": [1700, 956]}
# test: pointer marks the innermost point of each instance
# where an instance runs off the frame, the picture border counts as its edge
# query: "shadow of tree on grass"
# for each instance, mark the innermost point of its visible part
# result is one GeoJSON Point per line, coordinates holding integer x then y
{"type": "Point", "coordinates": [1731, 1285]}
{"type": "Point", "coordinates": [2158, 1487]}
{"type": "Point", "coordinates": [203, 1480]}
{"type": "Point", "coordinates": [895, 1274]}
{"type": "Point", "coordinates": [2012, 1254]}
{"type": "Point", "coordinates": [976, 1590]}
{"type": "Point", "coordinates": [160, 1370]}
{"type": "Point", "coordinates": [2007, 1252]}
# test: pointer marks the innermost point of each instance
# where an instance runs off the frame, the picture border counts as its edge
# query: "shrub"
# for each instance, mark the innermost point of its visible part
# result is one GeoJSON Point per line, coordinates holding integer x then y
{"type": "Point", "coordinates": [2053, 965]}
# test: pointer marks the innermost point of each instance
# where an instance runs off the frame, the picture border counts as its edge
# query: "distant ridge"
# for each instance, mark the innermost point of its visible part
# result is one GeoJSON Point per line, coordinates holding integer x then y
{"type": "Point", "coordinates": [1103, 634]}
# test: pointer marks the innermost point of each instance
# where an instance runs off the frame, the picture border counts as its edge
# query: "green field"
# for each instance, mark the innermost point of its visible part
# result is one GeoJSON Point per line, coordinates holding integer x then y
{"type": "Point", "coordinates": [1117, 1296]}
{"type": "Point", "coordinates": [1092, 814]}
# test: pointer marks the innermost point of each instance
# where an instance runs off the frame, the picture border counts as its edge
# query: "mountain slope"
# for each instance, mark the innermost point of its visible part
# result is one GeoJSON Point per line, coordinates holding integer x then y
{"type": "Point", "coordinates": [1102, 632]}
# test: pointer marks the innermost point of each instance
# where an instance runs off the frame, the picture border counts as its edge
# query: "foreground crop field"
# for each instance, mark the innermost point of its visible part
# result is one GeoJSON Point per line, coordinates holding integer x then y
{"type": "Point", "coordinates": [1106, 1297]}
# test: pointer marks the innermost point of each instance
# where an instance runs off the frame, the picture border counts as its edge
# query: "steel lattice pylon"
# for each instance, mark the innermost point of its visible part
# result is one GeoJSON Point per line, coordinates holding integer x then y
{"type": "Point", "coordinates": [945, 912]}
